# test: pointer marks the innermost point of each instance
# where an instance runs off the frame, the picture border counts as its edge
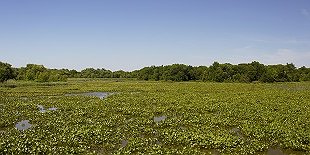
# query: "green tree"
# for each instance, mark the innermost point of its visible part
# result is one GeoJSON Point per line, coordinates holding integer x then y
{"type": "Point", "coordinates": [33, 71]}
{"type": "Point", "coordinates": [270, 75]}
{"type": "Point", "coordinates": [6, 72]}
{"type": "Point", "coordinates": [43, 76]}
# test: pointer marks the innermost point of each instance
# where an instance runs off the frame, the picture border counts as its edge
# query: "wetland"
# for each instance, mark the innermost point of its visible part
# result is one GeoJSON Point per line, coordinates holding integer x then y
{"type": "Point", "coordinates": [84, 117]}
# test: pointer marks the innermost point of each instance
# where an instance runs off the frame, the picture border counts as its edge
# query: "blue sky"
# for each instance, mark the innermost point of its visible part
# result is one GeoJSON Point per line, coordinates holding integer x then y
{"type": "Point", "coordinates": [131, 34]}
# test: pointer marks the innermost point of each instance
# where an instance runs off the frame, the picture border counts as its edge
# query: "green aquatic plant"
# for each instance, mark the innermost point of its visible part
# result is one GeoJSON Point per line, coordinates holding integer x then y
{"type": "Point", "coordinates": [156, 118]}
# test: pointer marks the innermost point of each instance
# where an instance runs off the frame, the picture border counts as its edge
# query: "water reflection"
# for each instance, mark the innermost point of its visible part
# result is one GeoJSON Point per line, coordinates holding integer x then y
{"type": "Point", "coordinates": [158, 142]}
{"type": "Point", "coordinates": [272, 151]}
{"type": "Point", "coordinates": [182, 127]}
{"type": "Point", "coordinates": [215, 152]}
{"type": "Point", "coordinates": [24, 98]}
{"type": "Point", "coordinates": [41, 108]}
{"type": "Point", "coordinates": [52, 109]}
{"type": "Point", "coordinates": [124, 143]}
{"type": "Point", "coordinates": [23, 125]}
{"type": "Point", "coordinates": [159, 119]}
{"type": "Point", "coordinates": [279, 151]}
{"type": "Point", "coordinates": [100, 95]}
{"type": "Point", "coordinates": [237, 132]}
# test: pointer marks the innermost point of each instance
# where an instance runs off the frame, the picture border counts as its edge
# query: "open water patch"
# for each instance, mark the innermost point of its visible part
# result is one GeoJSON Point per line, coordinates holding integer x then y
{"type": "Point", "coordinates": [23, 125]}
{"type": "Point", "coordinates": [183, 128]}
{"type": "Point", "coordinates": [52, 109]}
{"type": "Point", "coordinates": [43, 110]}
{"type": "Point", "coordinates": [100, 95]}
{"type": "Point", "coordinates": [237, 132]}
{"type": "Point", "coordinates": [272, 151]}
{"type": "Point", "coordinates": [158, 142]}
{"type": "Point", "coordinates": [279, 151]}
{"type": "Point", "coordinates": [159, 119]}
{"type": "Point", "coordinates": [214, 152]}
{"type": "Point", "coordinates": [124, 143]}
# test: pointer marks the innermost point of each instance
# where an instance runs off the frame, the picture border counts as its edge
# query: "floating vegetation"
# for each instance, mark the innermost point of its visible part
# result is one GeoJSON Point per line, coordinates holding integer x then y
{"type": "Point", "coordinates": [24, 98]}
{"type": "Point", "coordinates": [182, 127]}
{"type": "Point", "coordinates": [163, 118]}
{"type": "Point", "coordinates": [23, 125]}
{"type": "Point", "coordinates": [1, 107]}
{"type": "Point", "coordinates": [2, 132]}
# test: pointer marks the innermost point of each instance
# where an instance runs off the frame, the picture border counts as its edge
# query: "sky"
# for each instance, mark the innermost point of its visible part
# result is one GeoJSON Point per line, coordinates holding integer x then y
{"type": "Point", "coordinates": [132, 34]}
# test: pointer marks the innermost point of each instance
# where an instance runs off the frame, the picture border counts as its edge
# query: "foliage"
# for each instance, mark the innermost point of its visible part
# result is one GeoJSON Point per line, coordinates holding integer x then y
{"type": "Point", "coordinates": [34, 72]}
{"type": "Point", "coordinates": [201, 118]}
{"type": "Point", "coordinates": [6, 72]}
{"type": "Point", "coordinates": [250, 72]}
{"type": "Point", "coordinates": [217, 72]}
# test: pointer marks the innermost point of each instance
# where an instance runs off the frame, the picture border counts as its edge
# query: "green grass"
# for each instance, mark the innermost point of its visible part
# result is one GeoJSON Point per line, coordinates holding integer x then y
{"type": "Point", "coordinates": [202, 118]}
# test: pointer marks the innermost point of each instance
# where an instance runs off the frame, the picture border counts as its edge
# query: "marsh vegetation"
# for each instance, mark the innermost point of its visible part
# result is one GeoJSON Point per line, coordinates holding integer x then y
{"type": "Point", "coordinates": [149, 117]}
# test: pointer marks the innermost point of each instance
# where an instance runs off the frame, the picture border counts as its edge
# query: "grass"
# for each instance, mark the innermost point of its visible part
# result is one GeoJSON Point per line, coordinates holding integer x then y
{"type": "Point", "coordinates": [200, 118]}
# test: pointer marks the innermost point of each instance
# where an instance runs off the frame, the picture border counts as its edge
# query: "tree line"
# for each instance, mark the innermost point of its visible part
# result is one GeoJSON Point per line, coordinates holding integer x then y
{"type": "Point", "coordinates": [246, 72]}
{"type": "Point", "coordinates": [32, 72]}
{"type": "Point", "coordinates": [217, 72]}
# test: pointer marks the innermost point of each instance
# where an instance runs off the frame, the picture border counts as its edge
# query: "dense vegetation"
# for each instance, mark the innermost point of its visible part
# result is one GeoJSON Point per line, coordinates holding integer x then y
{"type": "Point", "coordinates": [217, 72]}
{"type": "Point", "coordinates": [31, 72]}
{"type": "Point", "coordinates": [39, 73]}
{"type": "Point", "coordinates": [151, 117]}
{"type": "Point", "coordinates": [6, 72]}
{"type": "Point", "coordinates": [226, 73]}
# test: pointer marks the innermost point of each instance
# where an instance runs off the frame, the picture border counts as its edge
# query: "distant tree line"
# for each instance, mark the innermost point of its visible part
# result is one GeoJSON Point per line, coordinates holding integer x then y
{"type": "Point", "coordinates": [217, 72]}
{"type": "Point", "coordinates": [39, 73]}
{"type": "Point", "coordinates": [248, 72]}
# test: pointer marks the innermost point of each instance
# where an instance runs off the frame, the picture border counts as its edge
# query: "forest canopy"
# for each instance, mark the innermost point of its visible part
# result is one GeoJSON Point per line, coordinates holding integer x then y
{"type": "Point", "coordinates": [246, 72]}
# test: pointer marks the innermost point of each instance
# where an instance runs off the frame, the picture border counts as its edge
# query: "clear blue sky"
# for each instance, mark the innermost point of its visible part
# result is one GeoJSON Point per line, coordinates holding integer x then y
{"type": "Point", "coordinates": [131, 34]}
